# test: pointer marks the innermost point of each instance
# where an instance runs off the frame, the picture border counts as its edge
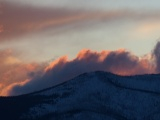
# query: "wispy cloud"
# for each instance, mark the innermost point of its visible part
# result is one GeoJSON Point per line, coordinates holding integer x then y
{"type": "Point", "coordinates": [18, 20]}
{"type": "Point", "coordinates": [1, 28]}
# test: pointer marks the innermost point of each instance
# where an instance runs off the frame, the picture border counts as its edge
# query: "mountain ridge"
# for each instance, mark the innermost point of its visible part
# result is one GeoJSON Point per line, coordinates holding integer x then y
{"type": "Point", "coordinates": [107, 73]}
{"type": "Point", "coordinates": [95, 95]}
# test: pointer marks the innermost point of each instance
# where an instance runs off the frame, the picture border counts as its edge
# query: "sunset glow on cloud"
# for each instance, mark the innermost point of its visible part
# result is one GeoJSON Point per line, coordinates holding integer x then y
{"type": "Point", "coordinates": [13, 71]}
{"type": "Point", "coordinates": [120, 62]}
{"type": "Point", "coordinates": [39, 41]}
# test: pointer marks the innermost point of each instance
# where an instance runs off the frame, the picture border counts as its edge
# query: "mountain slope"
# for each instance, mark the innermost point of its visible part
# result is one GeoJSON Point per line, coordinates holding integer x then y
{"type": "Point", "coordinates": [96, 95]}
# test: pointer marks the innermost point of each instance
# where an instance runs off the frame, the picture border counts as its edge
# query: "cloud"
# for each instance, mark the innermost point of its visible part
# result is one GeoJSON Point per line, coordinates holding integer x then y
{"type": "Point", "coordinates": [156, 55]}
{"type": "Point", "coordinates": [13, 70]}
{"type": "Point", "coordinates": [19, 20]}
{"type": "Point", "coordinates": [120, 62]}
{"type": "Point", "coordinates": [1, 28]}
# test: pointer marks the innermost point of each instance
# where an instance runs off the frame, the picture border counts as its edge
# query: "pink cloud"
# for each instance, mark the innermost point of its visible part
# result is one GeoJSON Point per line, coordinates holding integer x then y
{"type": "Point", "coordinates": [119, 62]}
{"type": "Point", "coordinates": [13, 70]}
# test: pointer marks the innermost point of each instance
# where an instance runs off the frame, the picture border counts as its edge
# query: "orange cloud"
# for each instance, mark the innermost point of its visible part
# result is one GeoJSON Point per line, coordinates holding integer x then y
{"type": "Point", "coordinates": [13, 70]}
{"type": "Point", "coordinates": [119, 62]}
{"type": "Point", "coordinates": [6, 90]}
{"type": "Point", "coordinates": [61, 61]}
{"type": "Point", "coordinates": [17, 79]}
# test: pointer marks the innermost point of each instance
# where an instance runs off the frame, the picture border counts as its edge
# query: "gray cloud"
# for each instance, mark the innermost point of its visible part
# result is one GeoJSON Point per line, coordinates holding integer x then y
{"type": "Point", "coordinates": [156, 54]}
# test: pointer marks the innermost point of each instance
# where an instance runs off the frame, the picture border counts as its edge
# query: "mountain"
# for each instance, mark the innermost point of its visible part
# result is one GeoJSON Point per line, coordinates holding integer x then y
{"type": "Point", "coordinates": [90, 96]}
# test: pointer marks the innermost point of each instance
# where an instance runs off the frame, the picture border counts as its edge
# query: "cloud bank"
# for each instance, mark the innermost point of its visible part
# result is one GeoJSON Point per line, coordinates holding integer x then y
{"type": "Point", "coordinates": [120, 62]}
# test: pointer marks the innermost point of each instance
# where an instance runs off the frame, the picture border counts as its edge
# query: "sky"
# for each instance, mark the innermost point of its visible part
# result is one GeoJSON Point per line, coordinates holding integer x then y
{"type": "Point", "coordinates": [42, 39]}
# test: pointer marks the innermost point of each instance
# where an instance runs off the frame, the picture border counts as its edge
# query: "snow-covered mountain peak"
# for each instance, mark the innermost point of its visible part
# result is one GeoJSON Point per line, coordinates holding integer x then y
{"type": "Point", "coordinates": [96, 95]}
{"type": "Point", "coordinates": [150, 83]}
